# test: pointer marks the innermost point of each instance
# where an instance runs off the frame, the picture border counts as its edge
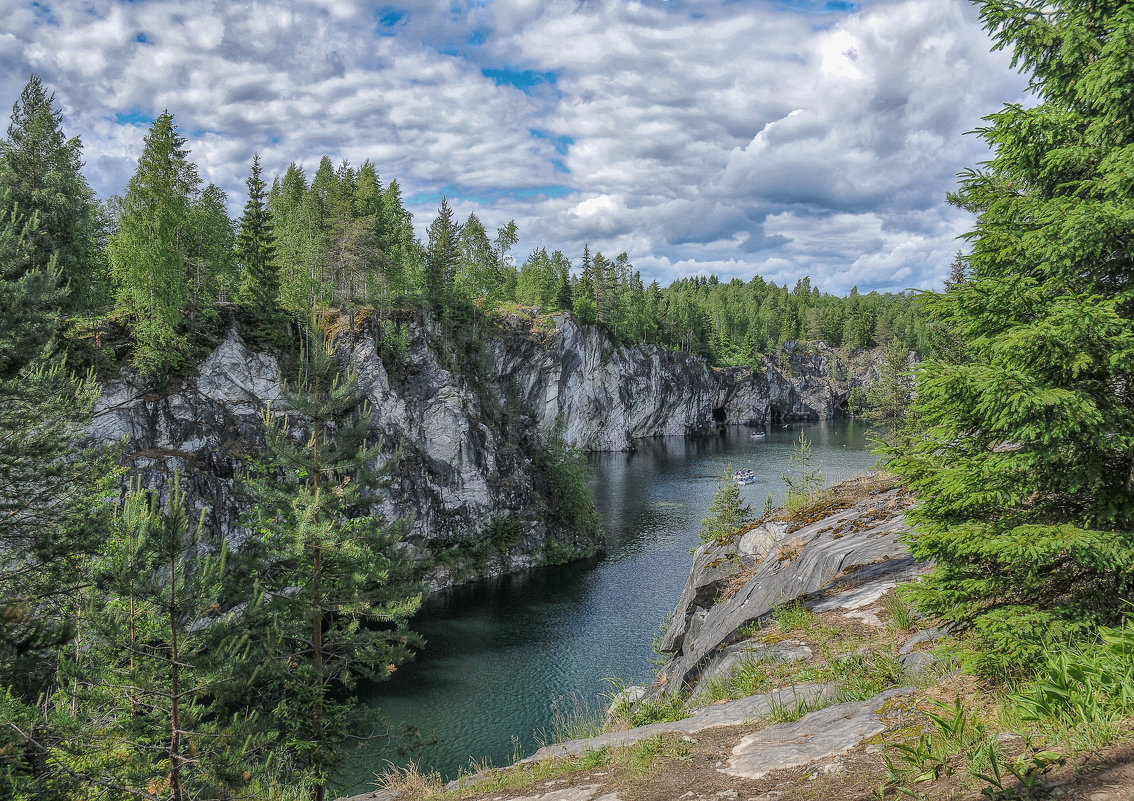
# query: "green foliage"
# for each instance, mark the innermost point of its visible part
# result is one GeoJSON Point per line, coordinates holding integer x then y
{"type": "Point", "coordinates": [40, 178]}
{"type": "Point", "coordinates": [804, 480]}
{"type": "Point", "coordinates": [1023, 469]}
{"type": "Point", "coordinates": [259, 291]}
{"type": "Point", "coordinates": [889, 397]}
{"type": "Point", "coordinates": [338, 595]}
{"type": "Point", "coordinates": [150, 252]}
{"type": "Point", "coordinates": [563, 484]}
{"type": "Point", "coordinates": [727, 513]}
{"type": "Point", "coordinates": [157, 658]}
{"type": "Point", "coordinates": [1085, 684]}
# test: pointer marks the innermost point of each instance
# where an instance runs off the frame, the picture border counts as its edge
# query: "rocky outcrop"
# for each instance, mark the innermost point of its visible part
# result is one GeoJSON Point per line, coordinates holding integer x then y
{"type": "Point", "coordinates": [845, 557]}
{"type": "Point", "coordinates": [467, 480]}
{"type": "Point", "coordinates": [470, 475]}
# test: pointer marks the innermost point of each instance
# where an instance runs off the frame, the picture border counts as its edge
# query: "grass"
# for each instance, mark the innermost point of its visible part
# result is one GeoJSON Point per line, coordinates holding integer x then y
{"type": "Point", "coordinates": [480, 779]}
{"type": "Point", "coordinates": [574, 719]}
{"type": "Point", "coordinates": [901, 616]}
{"type": "Point", "coordinates": [410, 783]}
{"type": "Point", "coordinates": [794, 616]}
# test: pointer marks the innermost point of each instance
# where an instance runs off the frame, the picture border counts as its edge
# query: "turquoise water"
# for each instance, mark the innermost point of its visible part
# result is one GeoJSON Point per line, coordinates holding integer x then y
{"type": "Point", "coordinates": [503, 655]}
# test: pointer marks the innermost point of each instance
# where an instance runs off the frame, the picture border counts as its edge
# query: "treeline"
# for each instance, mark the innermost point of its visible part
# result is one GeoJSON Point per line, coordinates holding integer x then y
{"type": "Point", "coordinates": [147, 274]}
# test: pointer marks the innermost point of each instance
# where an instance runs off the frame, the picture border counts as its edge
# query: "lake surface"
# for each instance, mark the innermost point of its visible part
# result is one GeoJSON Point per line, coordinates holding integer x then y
{"type": "Point", "coordinates": [503, 655]}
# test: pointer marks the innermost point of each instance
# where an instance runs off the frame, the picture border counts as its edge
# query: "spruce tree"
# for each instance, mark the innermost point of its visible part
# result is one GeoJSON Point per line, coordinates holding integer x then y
{"type": "Point", "coordinates": [259, 293]}
{"type": "Point", "coordinates": [338, 594]}
{"type": "Point", "coordinates": [442, 257]}
{"type": "Point", "coordinates": [149, 249]}
{"type": "Point", "coordinates": [40, 168]}
{"type": "Point", "coordinates": [1025, 470]}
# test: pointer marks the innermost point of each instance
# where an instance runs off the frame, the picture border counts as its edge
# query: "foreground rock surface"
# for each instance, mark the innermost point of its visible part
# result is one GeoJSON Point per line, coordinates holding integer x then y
{"type": "Point", "coordinates": [816, 736]}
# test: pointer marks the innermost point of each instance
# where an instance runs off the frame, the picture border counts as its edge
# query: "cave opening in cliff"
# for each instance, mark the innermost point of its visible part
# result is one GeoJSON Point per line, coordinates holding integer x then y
{"type": "Point", "coordinates": [719, 416]}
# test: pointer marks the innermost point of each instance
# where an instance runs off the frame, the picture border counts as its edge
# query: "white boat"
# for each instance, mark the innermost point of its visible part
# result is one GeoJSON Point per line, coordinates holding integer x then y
{"type": "Point", "coordinates": [758, 435]}
{"type": "Point", "coordinates": [744, 477]}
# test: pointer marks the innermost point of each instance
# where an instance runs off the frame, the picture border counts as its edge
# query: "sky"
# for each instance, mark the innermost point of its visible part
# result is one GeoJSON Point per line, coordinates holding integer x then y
{"type": "Point", "coordinates": [732, 137]}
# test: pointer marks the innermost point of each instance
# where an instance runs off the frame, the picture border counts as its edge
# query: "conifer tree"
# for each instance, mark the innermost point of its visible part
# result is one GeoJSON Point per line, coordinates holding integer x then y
{"type": "Point", "coordinates": [339, 596]}
{"type": "Point", "coordinates": [40, 168]}
{"type": "Point", "coordinates": [1025, 469]}
{"type": "Point", "coordinates": [442, 256]}
{"type": "Point", "coordinates": [259, 293]}
{"type": "Point", "coordinates": [51, 506]}
{"type": "Point", "coordinates": [50, 488]}
{"type": "Point", "coordinates": [889, 397]}
{"type": "Point", "coordinates": [148, 251]}
{"type": "Point", "coordinates": [728, 512]}
{"type": "Point", "coordinates": [158, 653]}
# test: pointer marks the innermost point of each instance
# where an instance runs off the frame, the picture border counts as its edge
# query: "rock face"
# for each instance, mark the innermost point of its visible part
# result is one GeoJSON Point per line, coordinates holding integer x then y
{"type": "Point", "coordinates": [845, 559]}
{"type": "Point", "coordinates": [608, 396]}
{"type": "Point", "coordinates": [469, 475]}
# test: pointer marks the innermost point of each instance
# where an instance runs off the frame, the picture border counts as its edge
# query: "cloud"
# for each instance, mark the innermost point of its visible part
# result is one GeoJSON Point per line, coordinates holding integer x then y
{"type": "Point", "coordinates": [788, 137]}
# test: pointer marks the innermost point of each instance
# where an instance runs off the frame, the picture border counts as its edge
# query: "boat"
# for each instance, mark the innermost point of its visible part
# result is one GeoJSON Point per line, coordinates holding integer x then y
{"type": "Point", "coordinates": [744, 477]}
{"type": "Point", "coordinates": [758, 435]}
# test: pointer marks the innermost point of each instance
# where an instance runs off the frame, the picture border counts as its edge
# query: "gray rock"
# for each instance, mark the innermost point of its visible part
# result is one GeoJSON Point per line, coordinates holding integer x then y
{"type": "Point", "coordinates": [925, 635]}
{"type": "Point", "coordinates": [759, 541]}
{"type": "Point", "coordinates": [462, 465]}
{"type": "Point", "coordinates": [816, 736]}
{"type": "Point", "coordinates": [730, 713]}
{"type": "Point", "coordinates": [725, 664]}
{"type": "Point", "coordinates": [627, 699]}
{"type": "Point", "coordinates": [918, 662]}
{"type": "Point", "coordinates": [845, 561]}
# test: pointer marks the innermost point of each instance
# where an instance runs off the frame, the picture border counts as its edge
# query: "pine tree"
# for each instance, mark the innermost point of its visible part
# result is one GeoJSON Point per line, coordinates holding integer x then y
{"type": "Point", "coordinates": [259, 293]}
{"type": "Point", "coordinates": [339, 596]}
{"type": "Point", "coordinates": [40, 168]}
{"type": "Point", "coordinates": [148, 251]}
{"type": "Point", "coordinates": [1025, 469]}
{"type": "Point", "coordinates": [803, 480]}
{"type": "Point", "coordinates": [156, 655]}
{"type": "Point", "coordinates": [728, 513]}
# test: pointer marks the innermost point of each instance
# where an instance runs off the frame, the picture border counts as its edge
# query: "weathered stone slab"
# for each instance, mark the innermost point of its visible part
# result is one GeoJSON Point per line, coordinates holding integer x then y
{"type": "Point", "coordinates": [724, 666]}
{"type": "Point", "coordinates": [814, 737]}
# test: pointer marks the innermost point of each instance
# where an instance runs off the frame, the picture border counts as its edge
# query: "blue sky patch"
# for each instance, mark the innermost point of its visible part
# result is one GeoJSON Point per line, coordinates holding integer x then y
{"type": "Point", "coordinates": [141, 39]}
{"type": "Point", "coordinates": [45, 14]}
{"type": "Point", "coordinates": [561, 143]}
{"type": "Point", "coordinates": [133, 117]}
{"type": "Point", "coordinates": [388, 19]}
{"type": "Point", "coordinates": [524, 80]}
{"type": "Point", "coordinates": [818, 6]}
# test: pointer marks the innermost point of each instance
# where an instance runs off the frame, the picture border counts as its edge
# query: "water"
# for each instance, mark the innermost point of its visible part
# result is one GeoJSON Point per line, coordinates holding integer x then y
{"type": "Point", "coordinates": [501, 654]}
